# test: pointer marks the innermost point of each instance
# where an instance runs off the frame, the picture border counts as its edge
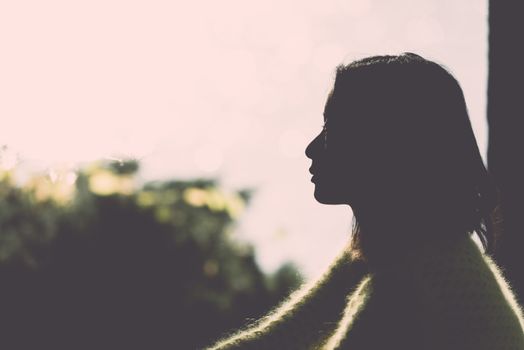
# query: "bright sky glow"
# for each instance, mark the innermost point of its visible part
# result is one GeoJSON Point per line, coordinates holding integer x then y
{"type": "Point", "coordinates": [232, 89]}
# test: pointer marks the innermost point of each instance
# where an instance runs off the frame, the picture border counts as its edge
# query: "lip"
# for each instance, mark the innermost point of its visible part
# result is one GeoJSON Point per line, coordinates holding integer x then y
{"type": "Point", "coordinates": [313, 172]}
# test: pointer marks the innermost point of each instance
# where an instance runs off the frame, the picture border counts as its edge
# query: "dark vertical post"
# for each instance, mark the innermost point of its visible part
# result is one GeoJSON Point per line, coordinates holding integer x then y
{"type": "Point", "coordinates": [506, 132]}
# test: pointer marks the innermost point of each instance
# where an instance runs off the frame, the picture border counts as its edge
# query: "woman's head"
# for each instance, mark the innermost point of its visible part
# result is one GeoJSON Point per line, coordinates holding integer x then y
{"type": "Point", "coordinates": [399, 148]}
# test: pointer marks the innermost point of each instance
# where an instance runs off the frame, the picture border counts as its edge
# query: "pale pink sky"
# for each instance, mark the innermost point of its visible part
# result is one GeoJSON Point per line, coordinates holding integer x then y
{"type": "Point", "coordinates": [233, 89]}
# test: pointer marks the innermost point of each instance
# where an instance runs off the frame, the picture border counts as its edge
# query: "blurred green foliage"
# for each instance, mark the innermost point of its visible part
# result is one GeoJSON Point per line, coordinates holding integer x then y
{"type": "Point", "coordinates": [93, 260]}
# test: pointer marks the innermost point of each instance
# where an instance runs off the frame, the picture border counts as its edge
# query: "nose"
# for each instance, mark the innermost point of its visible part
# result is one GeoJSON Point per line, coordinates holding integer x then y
{"type": "Point", "coordinates": [312, 147]}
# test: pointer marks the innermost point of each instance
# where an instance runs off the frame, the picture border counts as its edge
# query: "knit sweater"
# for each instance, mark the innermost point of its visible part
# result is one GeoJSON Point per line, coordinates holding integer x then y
{"type": "Point", "coordinates": [451, 297]}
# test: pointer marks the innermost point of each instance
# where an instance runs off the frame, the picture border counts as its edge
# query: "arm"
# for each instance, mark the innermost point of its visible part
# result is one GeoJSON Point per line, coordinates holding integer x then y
{"type": "Point", "coordinates": [307, 316]}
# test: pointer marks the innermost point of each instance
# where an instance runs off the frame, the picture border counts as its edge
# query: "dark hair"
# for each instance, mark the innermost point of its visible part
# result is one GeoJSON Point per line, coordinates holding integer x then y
{"type": "Point", "coordinates": [413, 113]}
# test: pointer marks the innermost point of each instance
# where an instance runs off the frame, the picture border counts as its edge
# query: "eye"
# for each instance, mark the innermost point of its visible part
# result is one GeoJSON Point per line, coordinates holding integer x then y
{"type": "Point", "coordinates": [324, 130]}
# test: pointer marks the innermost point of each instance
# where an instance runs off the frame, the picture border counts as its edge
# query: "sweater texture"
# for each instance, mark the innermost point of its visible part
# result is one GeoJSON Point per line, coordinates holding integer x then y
{"type": "Point", "coordinates": [440, 297]}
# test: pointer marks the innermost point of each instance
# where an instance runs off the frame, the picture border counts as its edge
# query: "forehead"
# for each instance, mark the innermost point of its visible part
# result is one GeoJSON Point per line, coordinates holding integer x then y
{"type": "Point", "coordinates": [328, 108]}
{"type": "Point", "coordinates": [348, 113]}
{"type": "Point", "coordinates": [336, 106]}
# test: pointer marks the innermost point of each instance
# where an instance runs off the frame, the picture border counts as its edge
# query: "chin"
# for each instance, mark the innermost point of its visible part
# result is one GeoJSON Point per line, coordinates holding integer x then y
{"type": "Point", "coordinates": [328, 197]}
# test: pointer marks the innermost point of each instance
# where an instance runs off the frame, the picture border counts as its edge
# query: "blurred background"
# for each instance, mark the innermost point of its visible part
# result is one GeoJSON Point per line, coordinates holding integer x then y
{"type": "Point", "coordinates": [152, 170]}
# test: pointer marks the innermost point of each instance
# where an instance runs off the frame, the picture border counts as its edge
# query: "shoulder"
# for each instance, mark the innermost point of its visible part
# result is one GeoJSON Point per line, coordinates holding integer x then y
{"type": "Point", "coordinates": [469, 303]}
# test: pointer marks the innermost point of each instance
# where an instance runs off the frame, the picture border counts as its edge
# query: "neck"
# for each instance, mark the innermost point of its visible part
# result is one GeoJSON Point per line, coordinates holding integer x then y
{"type": "Point", "coordinates": [388, 236]}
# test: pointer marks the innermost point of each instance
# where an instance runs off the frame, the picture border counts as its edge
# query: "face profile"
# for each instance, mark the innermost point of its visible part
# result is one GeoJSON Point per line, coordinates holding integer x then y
{"type": "Point", "coordinates": [343, 160]}
{"type": "Point", "coordinates": [330, 153]}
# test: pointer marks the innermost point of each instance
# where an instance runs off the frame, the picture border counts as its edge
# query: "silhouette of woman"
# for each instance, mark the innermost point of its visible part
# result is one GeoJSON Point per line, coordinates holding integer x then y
{"type": "Point", "coordinates": [398, 147]}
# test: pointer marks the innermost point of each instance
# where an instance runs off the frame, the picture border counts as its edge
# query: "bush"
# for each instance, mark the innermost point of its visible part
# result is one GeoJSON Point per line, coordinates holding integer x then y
{"type": "Point", "coordinates": [108, 264]}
